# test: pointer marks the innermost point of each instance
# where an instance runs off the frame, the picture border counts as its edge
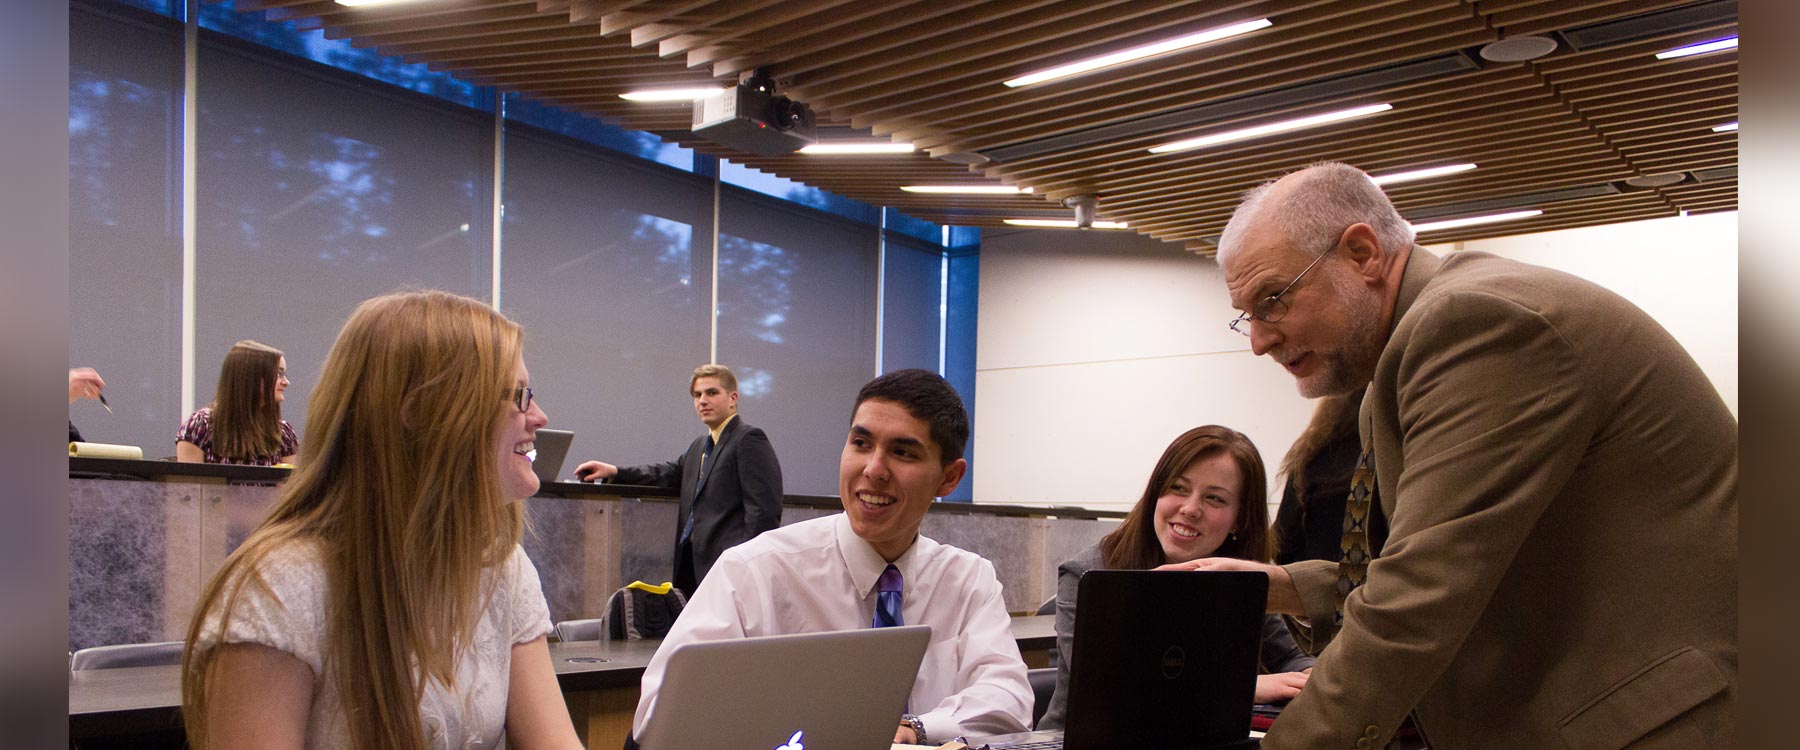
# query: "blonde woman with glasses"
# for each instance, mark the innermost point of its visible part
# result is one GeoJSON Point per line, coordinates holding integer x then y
{"type": "Point", "coordinates": [385, 601]}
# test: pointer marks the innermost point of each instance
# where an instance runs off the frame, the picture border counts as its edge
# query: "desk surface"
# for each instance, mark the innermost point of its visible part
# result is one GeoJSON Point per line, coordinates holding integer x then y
{"type": "Point", "coordinates": [107, 702]}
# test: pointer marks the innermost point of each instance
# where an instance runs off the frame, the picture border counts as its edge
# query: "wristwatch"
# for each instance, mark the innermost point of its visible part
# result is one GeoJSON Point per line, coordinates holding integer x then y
{"type": "Point", "coordinates": [918, 728]}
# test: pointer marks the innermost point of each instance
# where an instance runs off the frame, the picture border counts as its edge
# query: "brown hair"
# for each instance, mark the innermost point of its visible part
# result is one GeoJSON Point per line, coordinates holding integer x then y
{"type": "Point", "coordinates": [1333, 419]}
{"type": "Point", "coordinates": [401, 494]}
{"type": "Point", "coordinates": [246, 418]}
{"type": "Point", "coordinates": [723, 373]}
{"type": "Point", "coordinates": [1133, 546]}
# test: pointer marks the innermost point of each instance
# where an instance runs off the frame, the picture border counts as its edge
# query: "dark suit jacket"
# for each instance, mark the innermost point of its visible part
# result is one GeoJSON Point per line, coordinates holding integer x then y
{"type": "Point", "coordinates": [1560, 482]}
{"type": "Point", "coordinates": [741, 497]}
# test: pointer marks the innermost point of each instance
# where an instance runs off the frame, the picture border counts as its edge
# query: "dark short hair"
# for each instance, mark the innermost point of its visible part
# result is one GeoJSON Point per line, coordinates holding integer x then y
{"type": "Point", "coordinates": [925, 395]}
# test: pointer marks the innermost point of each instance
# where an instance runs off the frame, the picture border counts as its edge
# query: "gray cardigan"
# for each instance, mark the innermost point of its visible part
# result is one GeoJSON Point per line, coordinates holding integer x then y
{"type": "Point", "coordinates": [1279, 653]}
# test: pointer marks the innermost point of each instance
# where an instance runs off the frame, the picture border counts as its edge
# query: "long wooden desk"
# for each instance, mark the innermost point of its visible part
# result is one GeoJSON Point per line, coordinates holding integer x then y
{"type": "Point", "coordinates": [599, 680]}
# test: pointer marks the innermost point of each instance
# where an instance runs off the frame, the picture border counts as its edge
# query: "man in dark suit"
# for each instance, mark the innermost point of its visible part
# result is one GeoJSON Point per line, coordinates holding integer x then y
{"type": "Point", "coordinates": [729, 479]}
{"type": "Point", "coordinates": [1559, 478]}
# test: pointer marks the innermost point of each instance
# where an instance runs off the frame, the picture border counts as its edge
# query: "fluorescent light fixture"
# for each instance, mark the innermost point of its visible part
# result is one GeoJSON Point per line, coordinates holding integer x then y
{"type": "Point", "coordinates": [1270, 129]}
{"type": "Point", "coordinates": [1139, 53]}
{"type": "Point", "coordinates": [1726, 128]}
{"type": "Point", "coordinates": [1698, 49]}
{"type": "Point", "coordinates": [858, 147]}
{"type": "Point", "coordinates": [966, 189]}
{"type": "Point", "coordinates": [1064, 223]}
{"type": "Point", "coordinates": [1474, 220]}
{"type": "Point", "coordinates": [1420, 174]}
{"type": "Point", "coordinates": [669, 95]}
{"type": "Point", "coordinates": [360, 3]}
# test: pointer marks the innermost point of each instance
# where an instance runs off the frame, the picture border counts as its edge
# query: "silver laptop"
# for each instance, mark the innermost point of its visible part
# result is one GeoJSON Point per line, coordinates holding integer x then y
{"type": "Point", "coordinates": [552, 449]}
{"type": "Point", "coordinates": [842, 690]}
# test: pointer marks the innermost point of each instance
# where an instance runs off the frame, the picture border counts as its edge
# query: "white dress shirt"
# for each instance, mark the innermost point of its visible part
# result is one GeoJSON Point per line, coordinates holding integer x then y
{"type": "Point", "coordinates": [817, 576]}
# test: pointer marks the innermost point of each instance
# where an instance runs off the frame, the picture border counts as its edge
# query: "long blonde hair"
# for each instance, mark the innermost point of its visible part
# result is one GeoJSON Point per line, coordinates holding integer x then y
{"type": "Point", "coordinates": [246, 418]}
{"type": "Point", "coordinates": [401, 493]}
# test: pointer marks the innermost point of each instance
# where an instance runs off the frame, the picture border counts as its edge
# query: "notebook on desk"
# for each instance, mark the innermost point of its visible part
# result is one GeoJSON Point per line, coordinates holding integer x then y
{"type": "Point", "coordinates": [552, 448]}
{"type": "Point", "coordinates": [1160, 660]}
{"type": "Point", "coordinates": [842, 690]}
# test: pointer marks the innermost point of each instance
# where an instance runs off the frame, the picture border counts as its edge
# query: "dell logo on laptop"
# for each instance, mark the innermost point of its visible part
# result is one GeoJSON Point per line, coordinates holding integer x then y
{"type": "Point", "coordinates": [1173, 661]}
{"type": "Point", "coordinates": [793, 742]}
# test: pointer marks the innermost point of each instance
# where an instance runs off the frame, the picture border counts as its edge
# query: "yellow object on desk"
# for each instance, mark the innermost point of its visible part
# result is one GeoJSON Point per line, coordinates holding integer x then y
{"type": "Point", "coordinates": [659, 588]}
{"type": "Point", "coordinates": [106, 450]}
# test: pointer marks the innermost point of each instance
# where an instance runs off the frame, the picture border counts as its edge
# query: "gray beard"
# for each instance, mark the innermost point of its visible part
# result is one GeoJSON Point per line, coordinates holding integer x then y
{"type": "Point", "coordinates": [1351, 365]}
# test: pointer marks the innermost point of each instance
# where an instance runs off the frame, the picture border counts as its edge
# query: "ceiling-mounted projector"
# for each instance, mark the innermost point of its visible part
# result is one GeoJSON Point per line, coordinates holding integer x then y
{"type": "Point", "coordinates": [752, 118]}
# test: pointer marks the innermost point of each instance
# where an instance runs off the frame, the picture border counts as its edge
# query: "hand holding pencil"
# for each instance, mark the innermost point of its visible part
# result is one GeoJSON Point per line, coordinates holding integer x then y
{"type": "Point", "coordinates": [84, 382]}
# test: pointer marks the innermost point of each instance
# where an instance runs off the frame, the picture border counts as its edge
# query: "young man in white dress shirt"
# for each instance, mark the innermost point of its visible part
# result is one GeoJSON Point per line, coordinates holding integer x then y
{"type": "Point", "coordinates": [903, 451]}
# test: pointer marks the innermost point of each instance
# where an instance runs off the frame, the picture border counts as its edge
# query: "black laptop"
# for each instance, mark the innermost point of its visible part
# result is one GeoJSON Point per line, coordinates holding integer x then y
{"type": "Point", "coordinates": [1161, 659]}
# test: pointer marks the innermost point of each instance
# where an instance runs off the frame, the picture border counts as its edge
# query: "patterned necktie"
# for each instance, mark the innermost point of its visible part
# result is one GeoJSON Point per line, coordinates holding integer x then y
{"type": "Point", "coordinates": [887, 599]}
{"type": "Point", "coordinates": [1353, 566]}
{"type": "Point", "coordinates": [687, 529]}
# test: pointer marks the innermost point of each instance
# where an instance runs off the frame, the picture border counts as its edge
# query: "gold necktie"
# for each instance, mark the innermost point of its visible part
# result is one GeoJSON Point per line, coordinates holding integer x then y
{"type": "Point", "coordinates": [1353, 566]}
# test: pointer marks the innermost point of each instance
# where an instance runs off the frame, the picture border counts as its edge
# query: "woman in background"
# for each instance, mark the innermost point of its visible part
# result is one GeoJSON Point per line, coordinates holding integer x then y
{"type": "Point", "coordinates": [1309, 525]}
{"type": "Point", "coordinates": [385, 602]}
{"type": "Point", "coordinates": [243, 424]}
{"type": "Point", "coordinates": [1205, 498]}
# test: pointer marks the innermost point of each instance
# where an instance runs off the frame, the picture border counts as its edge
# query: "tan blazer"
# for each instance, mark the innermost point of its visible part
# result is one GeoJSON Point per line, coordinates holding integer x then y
{"type": "Point", "coordinates": [1561, 480]}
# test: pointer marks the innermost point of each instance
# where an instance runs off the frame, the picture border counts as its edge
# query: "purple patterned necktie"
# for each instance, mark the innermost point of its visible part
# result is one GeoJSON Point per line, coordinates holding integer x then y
{"type": "Point", "coordinates": [887, 599]}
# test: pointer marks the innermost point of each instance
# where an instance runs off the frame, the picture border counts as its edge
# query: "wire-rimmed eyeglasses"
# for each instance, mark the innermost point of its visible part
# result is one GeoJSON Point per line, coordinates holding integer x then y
{"type": "Point", "coordinates": [1271, 309]}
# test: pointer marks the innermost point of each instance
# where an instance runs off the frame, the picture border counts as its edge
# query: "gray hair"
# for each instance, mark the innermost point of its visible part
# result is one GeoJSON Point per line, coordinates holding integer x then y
{"type": "Point", "coordinates": [1316, 206]}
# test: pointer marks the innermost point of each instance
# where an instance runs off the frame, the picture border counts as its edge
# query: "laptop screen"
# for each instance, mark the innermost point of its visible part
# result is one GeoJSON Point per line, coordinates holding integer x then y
{"type": "Point", "coordinates": [1165, 657]}
{"type": "Point", "coordinates": [787, 692]}
{"type": "Point", "coordinates": [552, 449]}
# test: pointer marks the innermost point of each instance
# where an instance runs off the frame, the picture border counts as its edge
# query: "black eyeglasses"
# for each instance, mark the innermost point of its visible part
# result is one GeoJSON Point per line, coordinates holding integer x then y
{"type": "Point", "coordinates": [1271, 309]}
{"type": "Point", "coordinates": [521, 397]}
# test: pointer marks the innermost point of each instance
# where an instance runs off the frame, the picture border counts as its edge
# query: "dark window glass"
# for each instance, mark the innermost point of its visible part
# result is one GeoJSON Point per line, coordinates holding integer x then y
{"type": "Point", "coordinates": [912, 304]}
{"type": "Point", "coordinates": [634, 142]}
{"type": "Point", "coordinates": [607, 263]}
{"type": "Point", "coordinates": [317, 192]}
{"type": "Point", "coordinates": [338, 53]}
{"type": "Point", "coordinates": [171, 8]}
{"type": "Point", "coordinates": [125, 225]}
{"type": "Point", "coordinates": [960, 317]}
{"type": "Point", "coordinates": [732, 173]}
{"type": "Point", "coordinates": [797, 324]}
{"type": "Point", "coordinates": [914, 227]}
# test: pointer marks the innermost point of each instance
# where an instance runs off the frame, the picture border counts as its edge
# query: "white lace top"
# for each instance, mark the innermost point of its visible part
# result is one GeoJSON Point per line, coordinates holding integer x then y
{"type": "Point", "coordinates": [471, 716]}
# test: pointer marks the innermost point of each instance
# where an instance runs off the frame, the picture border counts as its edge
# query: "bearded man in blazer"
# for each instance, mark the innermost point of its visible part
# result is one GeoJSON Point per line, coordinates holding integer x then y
{"type": "Point", "coordinates": [1559, 477]}
{"type": "Point", "coordinates": [729, 479]}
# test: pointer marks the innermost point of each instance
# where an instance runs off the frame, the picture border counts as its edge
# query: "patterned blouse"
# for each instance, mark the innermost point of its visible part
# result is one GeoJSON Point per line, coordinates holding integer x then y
{"type": "Point", "coordinates": [198, 430]}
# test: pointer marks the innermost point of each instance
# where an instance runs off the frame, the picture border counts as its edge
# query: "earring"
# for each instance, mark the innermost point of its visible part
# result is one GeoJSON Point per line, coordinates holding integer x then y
{"type": "Point", "coordinates": [1233, 536]}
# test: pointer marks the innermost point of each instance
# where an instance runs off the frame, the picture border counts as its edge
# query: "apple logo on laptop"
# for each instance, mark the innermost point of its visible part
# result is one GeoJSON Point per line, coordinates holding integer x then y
{"type": "Point", "coordinates": [793, 742]}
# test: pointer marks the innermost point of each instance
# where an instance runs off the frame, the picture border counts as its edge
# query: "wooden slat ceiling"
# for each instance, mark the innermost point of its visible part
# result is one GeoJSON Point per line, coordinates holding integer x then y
{"type": "Point", "coordinates": [929, 72]}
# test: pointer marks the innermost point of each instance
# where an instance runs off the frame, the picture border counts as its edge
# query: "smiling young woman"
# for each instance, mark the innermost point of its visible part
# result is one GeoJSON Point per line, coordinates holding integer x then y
{"type": "Point", "coordinates": [385, 601]}
{"type": "Point", "coordinates": [243, 424]}
{"type": "Point", "coordinates": [1207, 497]}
